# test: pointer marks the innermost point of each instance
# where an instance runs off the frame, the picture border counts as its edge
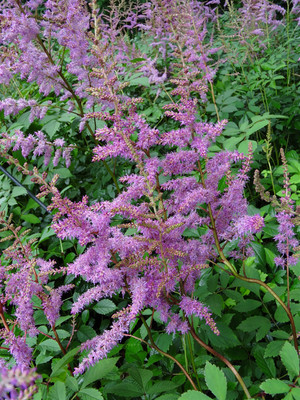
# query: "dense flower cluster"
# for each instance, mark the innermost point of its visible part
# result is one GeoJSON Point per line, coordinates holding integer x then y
{"type": "Point", "coordinates": [17, 384]}
{"type": "Point", "coordinates": [38, 144]}
{"type": "Point", "coordinates": [23, 276]}
{"type": "Point", "coordinates": [286, 240]}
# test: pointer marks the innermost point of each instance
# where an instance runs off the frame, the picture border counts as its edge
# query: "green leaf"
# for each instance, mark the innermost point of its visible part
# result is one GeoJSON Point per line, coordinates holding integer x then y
{"type": "Point", "coordinates": [215, 303]}
{"type": "Point", "coordinates": [169, 396]}
{"type": "Point", "coordinates": [164, 341]}
{"type": "Point", "coordinates": [244, 146]}
{"type": "Point", "coordinates": [66, 359]}
{"type": "Point", "coordinates": [104, 307]}
{"type": "Point", "coordinates": [85, 333]}
{"type": "Point", "coordinates": [18, 191]}
{"type": "Point", "coordinates": [51, 127]}
{"type": "Point", "coordinates": [141, 376]}
{"type": "Point", "coordinates": [256, 127]}
{"type": "Point", "coordinates": [99, 370]}
{"type": "Point", "coordinates": [226, 339]}
{"type": "Point", "coordinates": [270, 257]}
{"type": "Point", "coordinates": [280, 334]}
{"type": "Point", "coordinates": [274, 386]}
{"type": "Point", "coordinates": [126, 389]}
{"type": "Point", "coordinates": [256, 323]}
{"type": "Point", "coordinates": [46, 233]}
{"type": "Point", "coordinates": [42, 359]}
{"type": "Point", "coordinates": [215, 380]}
{"type": "Point", "coordinates": [31, 218]}
{"type": "Point", "coordinates": [259, 252]}
{"type": "Point", "coordinates": [63, 172]}
{"type": "Point", "coordinates": [162, 386]}
{"type": "Point", "coordinates": [267, 365]}
{"type": "Point", "coordinates": [273, 348]}
{"type": "Point", "coordinates": [247, 305]}
{"type": "Point", "coordinates": [143, 81]}
{"type": "Point", "coordinates": [58, 391]}
{"type": "Point", "coordinates": [72, 383]}
{"type": "Point", "coordinates": [290, 359]}
{"type": "Point", "coordinates": [50, 345]}
{"type": "Point", "coordinates": [90, 394]}
{"type": "Point", "coordinates": [296, 393]}
{"type": "Point", "coordinates": [194, 395]}
{"type": "Point", "coordinates": [136, 60]}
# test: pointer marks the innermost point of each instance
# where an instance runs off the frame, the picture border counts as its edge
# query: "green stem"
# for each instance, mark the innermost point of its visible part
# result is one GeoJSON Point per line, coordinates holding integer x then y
{"type": "Point", "coordinates": [192, 360]}
{"type": "Point", "coordinates": [222, 358]}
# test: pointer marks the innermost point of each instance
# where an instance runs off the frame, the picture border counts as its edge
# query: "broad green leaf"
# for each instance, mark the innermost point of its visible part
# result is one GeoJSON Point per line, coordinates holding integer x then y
{"type": "Point", "coordinates": [63, 172]}
{"type": "Point", "coordinates": [194, 395]}
{"type": "Point", "coordinates": [62, 319]}
{"type": "Point", "coordinates": [99, 370]}
{"type": "Point", "coordinates": [136, 60]}
{"type": "Point", "coordinates": [267, 365]}
{"type": "Point", "coordinates": [270, 257]}
{"type": "Point", "coordinates": [280, 315]}
{"type": "Point", "coordinates": [230, 144]}
{"type": "Point", "coordinates": [229, 108]}
{"type": "Point", "coordinates": [244, 146]}
{"type": "Point", "coordinates": [256, 323]}
{"type": "Point", "coordinates": [296, 393]}
{"type": "Point", "coordinates": [141, 376]}
{"type": "Point", "coordinates": [226, 339]}
{"type": "Point", "coordinates": [30, 204]}
{"type": "Point", "coordinates": [215, 380]}
{"type": "Point", "coordinates": [143, 81]}
{"type": "Point", "coordinates": [42, 359]}
{"type": "Point", "coordinates": [256, 127]}
{"type": "Point", "coordinates": [247, 305]}
{"type": "Point", "coordinates": [62, 334]}
{"type": "Point", "coordinates": [50, 345]}
{"type": "Point", "coordinates": [51, 127]}
{"type": "Point", "coordinates": [273, 348]}
{"type": "Point", "coordinates": [90, 394]}
{"type": "Point", "coordinates": [104, 307]}
{"type": "Point", "coordinates": [295, 294]}
{"type": "Point", "coordinates": [58, 391]}
{"type": "Point", "coordinates": [85, 333]}
{"type": "Point", "coordinates": [31, 218]}
{"type": "Point", "coordinates": [67, 358]}
{"type": "Point", "coordinates": [274, 386]}
{"type": "Point", "coordinates": [126, 389]}
{"type": "Point", "coordinates": [164, 341]}
{"type": "Point", "coordinates": [169, 396]}
{"type": "Point", "coordinates": [162, 386]}
{"type": "Point", "coordinates": [260, 253]}
{"type": "Point", "coordinates": [18, 191]}
{"type": "Point", "coordinates": [290, 359]}
{"type": "Point", "coordinates": [215, 303]}
{"type": "Point", "coordinates": [72, 383]}
{"type": "Point", "coordinates": [280, 334]}
{"type": "Point", "coordinates": [46, 233]}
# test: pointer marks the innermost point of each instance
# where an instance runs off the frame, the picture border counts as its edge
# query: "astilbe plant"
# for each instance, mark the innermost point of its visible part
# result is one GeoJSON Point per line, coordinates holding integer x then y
{"type": "Point", "coordinates": [157, 267]}
{"type": "Point", "coordinates": [24, 276]}
{"type": "Point", "coordinates": [184, 186]}
{"type": "Point", "coordinates": [17, 384]}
